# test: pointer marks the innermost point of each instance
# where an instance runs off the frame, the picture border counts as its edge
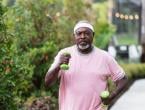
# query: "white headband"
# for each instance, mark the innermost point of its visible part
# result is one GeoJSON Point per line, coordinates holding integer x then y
{"type": "Point", "coordinates": [83, 24]}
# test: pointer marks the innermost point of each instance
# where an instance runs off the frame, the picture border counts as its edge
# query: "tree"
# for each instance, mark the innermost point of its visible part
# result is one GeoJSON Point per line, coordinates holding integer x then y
{"type": "Point", "coordinates": [16, 72]}
{"type": "Point", "coordinates": [103, 28]}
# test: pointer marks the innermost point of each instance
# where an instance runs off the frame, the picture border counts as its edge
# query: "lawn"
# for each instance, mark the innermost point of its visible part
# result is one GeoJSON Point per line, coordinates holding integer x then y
{"type": "Point", "coordinates": [127, 39]}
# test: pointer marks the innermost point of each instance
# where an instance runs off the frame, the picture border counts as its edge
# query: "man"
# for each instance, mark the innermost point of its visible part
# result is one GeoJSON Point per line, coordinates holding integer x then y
{"type": "Point", "coordinates": [89, 69]}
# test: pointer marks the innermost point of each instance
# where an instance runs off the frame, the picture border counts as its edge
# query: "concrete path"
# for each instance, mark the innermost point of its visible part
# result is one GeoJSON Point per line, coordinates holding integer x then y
{"type": "Point", "coordinates": [133, 99]}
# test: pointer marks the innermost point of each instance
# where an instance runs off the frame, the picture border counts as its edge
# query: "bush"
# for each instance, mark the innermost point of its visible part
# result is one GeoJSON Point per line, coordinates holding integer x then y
{"type": "Point", "coordinates": [134, 71]}
{"type": "Point", "coordinates": [41, 103]}
{"type": "Point", "coordinates": [16, 70]}
{"type": "Point", "coordinates": [103, 29]}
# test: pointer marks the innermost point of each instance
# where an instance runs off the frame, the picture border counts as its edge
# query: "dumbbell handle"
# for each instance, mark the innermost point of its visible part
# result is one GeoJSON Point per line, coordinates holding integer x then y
{"type": "Point", "coordinates": [104, 95]}
{"type": "Point", "coordinates": [65, 66]}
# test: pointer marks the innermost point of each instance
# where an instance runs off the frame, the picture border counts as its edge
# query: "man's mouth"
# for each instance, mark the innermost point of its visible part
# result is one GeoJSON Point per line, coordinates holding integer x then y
{"type": "Point", "coordinates": [83, 43]}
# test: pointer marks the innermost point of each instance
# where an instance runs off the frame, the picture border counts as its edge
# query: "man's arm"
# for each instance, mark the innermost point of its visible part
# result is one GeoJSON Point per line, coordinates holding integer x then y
{"type": "Point", "coordinates": [120, 85]}
{"type": "Point", "coordinates": [51, 76]}
{"type": "Point", "coordinates": [119, 78]}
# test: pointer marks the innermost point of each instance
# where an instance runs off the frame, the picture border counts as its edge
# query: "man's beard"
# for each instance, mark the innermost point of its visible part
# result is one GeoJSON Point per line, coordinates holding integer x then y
{"type": "Point", "coordinates": [83, 47]}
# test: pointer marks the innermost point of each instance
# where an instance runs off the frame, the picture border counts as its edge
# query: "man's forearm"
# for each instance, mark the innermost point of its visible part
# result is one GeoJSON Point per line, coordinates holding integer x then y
{"type": "Point", "coordinates": [51, 76]}
{"type": "Point", "coordinates": [119, 87]}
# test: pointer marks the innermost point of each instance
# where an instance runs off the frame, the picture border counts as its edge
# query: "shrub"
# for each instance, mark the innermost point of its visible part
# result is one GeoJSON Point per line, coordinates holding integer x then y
{"type": "Point", "coordinates": [134, 71]}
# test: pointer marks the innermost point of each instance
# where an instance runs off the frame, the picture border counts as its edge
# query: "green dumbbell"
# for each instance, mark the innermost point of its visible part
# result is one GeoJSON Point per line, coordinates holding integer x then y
{"type": "Point", "coordinates": [65, 66]}
{"type": "Point", "coordinates": [105, 94]}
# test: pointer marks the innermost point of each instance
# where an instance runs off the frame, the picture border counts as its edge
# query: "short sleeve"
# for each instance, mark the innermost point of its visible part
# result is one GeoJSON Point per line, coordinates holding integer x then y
{"type": "Point", "coordinates": [116, 71]}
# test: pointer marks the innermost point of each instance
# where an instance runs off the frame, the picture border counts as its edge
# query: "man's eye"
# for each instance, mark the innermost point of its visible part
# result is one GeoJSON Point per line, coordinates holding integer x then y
{"type": "Point", "coordinates": [87, 33]}
{"type": "Point", "coordinates": [78, 34]}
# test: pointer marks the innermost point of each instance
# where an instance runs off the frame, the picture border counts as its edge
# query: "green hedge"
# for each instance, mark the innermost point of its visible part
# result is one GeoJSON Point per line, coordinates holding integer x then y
{"type": "Point", "coordinates": [134, 71]}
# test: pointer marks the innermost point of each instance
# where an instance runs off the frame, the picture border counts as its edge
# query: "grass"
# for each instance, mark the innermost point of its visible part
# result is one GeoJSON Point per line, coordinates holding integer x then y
{"type": "Point", "coordinates": [127, 39]}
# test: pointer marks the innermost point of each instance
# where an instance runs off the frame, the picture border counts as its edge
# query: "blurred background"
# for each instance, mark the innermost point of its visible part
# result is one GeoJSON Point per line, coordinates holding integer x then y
{"type": "Point", "coordinates": [32, 32]}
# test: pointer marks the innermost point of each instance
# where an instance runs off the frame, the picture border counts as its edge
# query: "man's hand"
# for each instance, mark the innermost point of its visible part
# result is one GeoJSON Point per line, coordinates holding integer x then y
{"type": "Point", "coordinates": [105, 97]}
{"type": "Point", "coordinates": [120, 84]}
{"type": "Point", "coordinates": [105, 101]}
{"type": "Point", "coordinates": [52, 75]}
{"type": "Point", "coordinates": [64, 60]}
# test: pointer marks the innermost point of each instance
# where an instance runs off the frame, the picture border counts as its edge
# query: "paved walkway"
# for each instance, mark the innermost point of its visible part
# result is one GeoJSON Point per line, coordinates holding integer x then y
{"type": "Point", "coordinates": [133, 99]}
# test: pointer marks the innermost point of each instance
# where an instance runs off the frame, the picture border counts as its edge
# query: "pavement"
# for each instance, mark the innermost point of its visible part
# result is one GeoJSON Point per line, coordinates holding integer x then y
{"type": "Point", "coordinates": [133, 98]}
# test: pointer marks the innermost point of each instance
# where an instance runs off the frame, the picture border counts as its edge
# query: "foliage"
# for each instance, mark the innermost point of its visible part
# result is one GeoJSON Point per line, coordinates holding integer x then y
{"type": "Point", "coordinates": [127, 39]}
{"type": "Point", "coordinates": [46, 100]}
{"type": "Point", "coordinates": [6, 85]}
{"type": "Point", "coordinates": [35, 35]}
{"type": "Point", "coordinates": [103, 29]}
{"type": "Point", "coordinates": [15, 71]}
{"type": "Point", "coordinates": [134, 71]}
{"type": "Point", "coordinates": [26, 53]}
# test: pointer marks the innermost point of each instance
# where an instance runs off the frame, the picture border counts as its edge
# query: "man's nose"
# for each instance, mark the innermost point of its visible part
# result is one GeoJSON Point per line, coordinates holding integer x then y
{"type": "Point", "coordinates": [83, 35]}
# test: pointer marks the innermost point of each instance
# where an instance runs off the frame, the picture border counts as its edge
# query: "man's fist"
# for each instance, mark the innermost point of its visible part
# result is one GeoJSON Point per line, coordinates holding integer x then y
{"type": "Point", "coordinates": [64, 60]}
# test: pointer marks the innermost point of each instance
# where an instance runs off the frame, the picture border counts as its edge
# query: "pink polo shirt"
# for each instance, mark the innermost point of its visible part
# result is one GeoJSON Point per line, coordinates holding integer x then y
{"type": "Point", "coordinates": [81, 85]}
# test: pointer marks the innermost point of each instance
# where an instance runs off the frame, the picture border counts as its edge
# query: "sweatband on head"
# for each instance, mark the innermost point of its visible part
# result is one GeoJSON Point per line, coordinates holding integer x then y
{"type": "Point", "coordinates": [83, 24]}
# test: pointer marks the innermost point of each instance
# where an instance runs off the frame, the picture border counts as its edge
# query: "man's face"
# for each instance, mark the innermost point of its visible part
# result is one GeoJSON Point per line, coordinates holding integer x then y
{"type": "Point", "coordinates": [84, 38]}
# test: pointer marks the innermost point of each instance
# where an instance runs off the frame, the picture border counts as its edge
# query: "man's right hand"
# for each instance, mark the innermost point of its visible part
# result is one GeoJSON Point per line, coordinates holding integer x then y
{"type": "Point", "coordinates": [64, 58]}
{"type": "Point", "coordinates": [52, 75]}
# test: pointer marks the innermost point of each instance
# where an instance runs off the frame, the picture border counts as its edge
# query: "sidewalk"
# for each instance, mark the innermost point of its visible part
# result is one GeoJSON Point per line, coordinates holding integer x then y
{"type": "Point", "coordinates": [133, 99]}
